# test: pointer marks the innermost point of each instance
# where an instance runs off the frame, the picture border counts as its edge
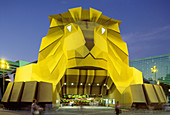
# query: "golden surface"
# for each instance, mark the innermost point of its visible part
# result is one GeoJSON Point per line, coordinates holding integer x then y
{"type": "Point", "coordinates": [7, 93]}
{"type": "Point", "coordinates": [16, 92]}
{"type": "Point", "coordinates": [29, 91]}
{"type": "Point", "coordinates": [151, 94]}
{"type": "Point", "coordinates": [84, 44]}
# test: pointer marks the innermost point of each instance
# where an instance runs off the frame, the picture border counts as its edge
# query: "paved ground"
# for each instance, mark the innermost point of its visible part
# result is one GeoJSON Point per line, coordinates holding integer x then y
{"type": "Point", "coordinates": [86, 111]}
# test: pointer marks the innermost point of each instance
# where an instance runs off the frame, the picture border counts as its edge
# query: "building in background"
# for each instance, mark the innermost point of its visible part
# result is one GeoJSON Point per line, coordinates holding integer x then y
{"type": "Point", "coordinates": [162, 63]}
{"type": "Point", "coordinates": [10, 73]}
{"type": "Point", "coordinates": [13, 66]}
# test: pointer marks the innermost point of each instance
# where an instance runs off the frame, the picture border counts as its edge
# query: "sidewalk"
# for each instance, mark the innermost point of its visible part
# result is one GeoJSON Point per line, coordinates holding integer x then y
{"type": "Point", "coordinates": [91, 110]}
{"type": "Point", "coordinates": [12, 112]}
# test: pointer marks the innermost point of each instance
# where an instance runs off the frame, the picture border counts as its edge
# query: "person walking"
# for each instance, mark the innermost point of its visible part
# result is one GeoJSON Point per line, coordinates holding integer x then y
{"type": "Point", "coordinates": [34, 108]}
{"type": "Point", "coordinates": [117, 108]}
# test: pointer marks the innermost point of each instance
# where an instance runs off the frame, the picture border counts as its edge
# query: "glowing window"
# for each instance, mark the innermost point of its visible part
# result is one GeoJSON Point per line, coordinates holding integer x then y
{"type": "Point", "coordinates": [103, 30]}
{"type": "Point", "coordinates": [69, 28]}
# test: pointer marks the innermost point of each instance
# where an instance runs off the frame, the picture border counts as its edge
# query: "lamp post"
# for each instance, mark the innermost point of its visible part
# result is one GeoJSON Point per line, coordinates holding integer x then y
{"type": "Point", "coordinates": [4, 65]}
{"type": "Point", "coordinates": [154, 70]}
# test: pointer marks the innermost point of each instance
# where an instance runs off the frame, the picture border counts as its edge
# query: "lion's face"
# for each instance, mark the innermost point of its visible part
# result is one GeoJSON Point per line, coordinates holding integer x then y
{"type": "Point", "coordinates": [89, 44]}
{"type": "Point", "coordinates": [85, 43]}
{"type": "Point", "coordinates": [82, 48]}
{"type": "Point", "coordinates": [87, 37]}
{"type": "Point", "coordinates": [84, 40]}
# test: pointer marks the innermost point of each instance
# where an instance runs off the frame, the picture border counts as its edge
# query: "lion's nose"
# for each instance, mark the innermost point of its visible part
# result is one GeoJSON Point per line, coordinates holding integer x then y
{"type": "Point", "coordinates": [89, 38]}
{"type": "Point", "coordinates": [89, 45]}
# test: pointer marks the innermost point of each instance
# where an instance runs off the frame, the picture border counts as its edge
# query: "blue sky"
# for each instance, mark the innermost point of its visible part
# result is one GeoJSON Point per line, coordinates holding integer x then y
{"type": "Point", "coordinates": [145, 24]}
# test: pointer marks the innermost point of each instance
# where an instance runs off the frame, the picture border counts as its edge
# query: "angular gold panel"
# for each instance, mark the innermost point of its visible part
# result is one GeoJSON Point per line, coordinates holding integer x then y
{"type": "Point", "coordinates": [80, 90]}
{"type": "Point", "coordinates": [7, 93]}
{"type": "Point", "coordinates": [109, 83]}
{"type": "Point", "coordinates": [89, 79]}
{"type": "Point", "coordinates": [72, 90]}
{"type": "Point", "coordinates": [83, 72]}
{"type": "Point", "coordinates": [116, 39]}
{"type": "Point", "coordinates": [53, 35]}
{"type": "Point", "coordinates": [101, 73]}
{"type": "Point", "coordinates": [87, 90]}
{"type": "Point", "coordinates": [126, 97]}
{"type": "Point", "coordinates": [85, 15]}
{"type": "Point", "coordinates": [82, 79]}
{"type": "Point", "coordinates": [76, 13]}
{"type": "Point", "coordinates": [99, 79]}
{"type": "Point", "coordinates": [137, 93]}
{"type": "Point", "coordinates": [56, 20]}
{"type": "Point", "coordinates": [163, 93]}
{"type": "Point", "coordinates": [94, 15]}
{"type": "Point", "coordinates": [64, 90]}
{"type": "Point", "coordinates": [72, 72]}
{"type": "Point", "coordinates": [29, 91]}
{"type": "Point", "coordinates": [16, 92]}
{"type": "Point", "coordinates": [151, 95]}
{"type": "Point", "coordinates": [95, 90]}
{"type": "Point", "coordinates": [50, 50]}
{"type": "Point", "coordinates": [83, 51]}
{"type": "Point", "coordinates": [45, 91]}
{"type": "Point", "coordinates": [62, 81]}
{"type": "Point", "coordinates": [72, 79]}
{"type": "Point", "coordinates": [114, 94]}
{"type": "Point", "coordinates": [159, 93]}
{"type": "Point", "coordinates": [113, 24]}
{"type": "Point", "coordinates": [67, 18]}
{"type": "Point", "coordinates": [103, 19]}
{"type": "Point", "coordinates": [90, 72]}
{"type": "Point", "coordinates": [103, 90]}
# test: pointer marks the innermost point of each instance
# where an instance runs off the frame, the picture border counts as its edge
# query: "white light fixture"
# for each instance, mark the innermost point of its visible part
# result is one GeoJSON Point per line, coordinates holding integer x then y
{"type": "Point", "coordinates": [81, 83]}
{"type": "Point", "coordinates": [98, 84]}
{"type": "Point", "coordinates": [69, 28]}
{"type": "Point", "coordinates": [89, 84]}
{"type": "Point", "coordinates": [72, 83]}
{"type": "Point", "coordinates": [64, 83]}
{"type": "Point", "coordinates": [104, 84]}
{"type": "Point", "coordinates": [2, 61]}
{"type": "Point", "coordinates": [7, 79]}
{"type": "Point", "coordinates": [169, 90]}
{"type": "Point", "coordinates": [103, 30]}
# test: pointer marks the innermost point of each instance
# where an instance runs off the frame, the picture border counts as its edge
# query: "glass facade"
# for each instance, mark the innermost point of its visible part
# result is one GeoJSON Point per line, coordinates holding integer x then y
{"type": "Point", "coordinates": [162, 63]}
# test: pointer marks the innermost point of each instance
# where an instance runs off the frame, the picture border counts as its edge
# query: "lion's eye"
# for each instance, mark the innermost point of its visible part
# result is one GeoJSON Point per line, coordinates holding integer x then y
{"type": "Point", "coordinates": [103, 30]}
{"type": "Point", "coordinates": [69, 28]}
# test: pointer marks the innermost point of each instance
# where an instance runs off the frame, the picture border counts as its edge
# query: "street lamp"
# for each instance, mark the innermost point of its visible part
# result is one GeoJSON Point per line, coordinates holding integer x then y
{"type": "Point", "coordinates": [154, 70]}
{"type": "Point", "coordinates": [4, 65]}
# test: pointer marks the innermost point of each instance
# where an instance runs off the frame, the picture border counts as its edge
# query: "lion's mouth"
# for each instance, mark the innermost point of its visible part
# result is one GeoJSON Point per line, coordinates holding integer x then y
{"type": "Point", "coordinates": [84, 81]}
{"type": "Point", "coordinates": [89, 54]}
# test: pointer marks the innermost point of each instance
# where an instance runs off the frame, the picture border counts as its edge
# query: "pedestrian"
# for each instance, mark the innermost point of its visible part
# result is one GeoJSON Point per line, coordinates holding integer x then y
{"type": "Point", "coordinates": [117, 108]}
{"type": "Point", "coordinates": [35, 109]}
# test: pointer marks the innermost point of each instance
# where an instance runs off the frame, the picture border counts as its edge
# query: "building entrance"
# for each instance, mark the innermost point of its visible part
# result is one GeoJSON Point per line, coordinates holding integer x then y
{"type": "Point", "coordinates": [83, 100]}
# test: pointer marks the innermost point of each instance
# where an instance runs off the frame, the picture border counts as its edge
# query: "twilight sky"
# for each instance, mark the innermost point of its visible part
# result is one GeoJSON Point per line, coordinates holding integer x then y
{"type": "Point", "coordinates": [145, 25]}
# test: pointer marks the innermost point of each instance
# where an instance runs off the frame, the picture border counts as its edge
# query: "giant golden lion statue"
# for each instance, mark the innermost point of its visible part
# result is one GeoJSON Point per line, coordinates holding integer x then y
{"type": "Point", "coordinates": [82, 42]}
